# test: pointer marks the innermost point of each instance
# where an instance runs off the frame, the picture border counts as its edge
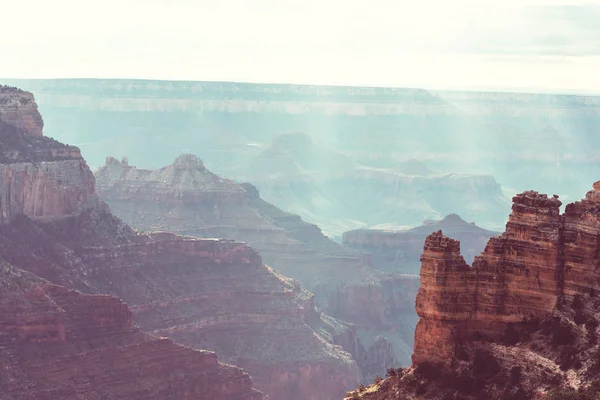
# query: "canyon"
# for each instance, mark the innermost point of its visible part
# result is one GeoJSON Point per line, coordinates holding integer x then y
{"type": "Point", "coordinates": [227, 124]}
{"type": "Point", "coordinates": [475, 142]}
{"type": "Point", "coordinates": [186, 198]}
{"type": "Point", "coordinates": [521, 322]}
{"type": "Point", "coordinates": [208, 294]}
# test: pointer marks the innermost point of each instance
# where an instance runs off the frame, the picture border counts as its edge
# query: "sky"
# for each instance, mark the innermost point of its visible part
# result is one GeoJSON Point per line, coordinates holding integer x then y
{"type": "Point", "coordinates": [551, 45]}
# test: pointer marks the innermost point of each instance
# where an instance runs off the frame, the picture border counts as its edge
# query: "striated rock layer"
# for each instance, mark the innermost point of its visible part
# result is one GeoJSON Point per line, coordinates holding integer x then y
{"type": "Point", "coordinates": [56, 343]}
{"type": "Point", "coordinates": [205, 293]}
{"type": "Point", "coordinates": [187, 198]}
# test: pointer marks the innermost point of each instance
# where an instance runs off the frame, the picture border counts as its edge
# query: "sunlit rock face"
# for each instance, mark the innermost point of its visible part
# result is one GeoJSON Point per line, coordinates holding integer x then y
{"type": "Point", "coordinates": [517, 276]}
{"type": "Point", "coordinates": [192, 200]}
{"type": "Point", "coordinates": [209, 294]}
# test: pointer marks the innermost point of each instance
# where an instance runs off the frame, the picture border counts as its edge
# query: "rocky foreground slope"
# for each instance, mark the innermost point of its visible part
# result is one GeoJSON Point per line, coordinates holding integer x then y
{"type": "Point", "coordinates": [57, 343]}
{"type": "Point", "coordinates": [400, 250]}
{"type": "Point", "coordinates": [521, 322]}
{"type": "Point", "coordinates": [207, 294]}
{"type": "Point", "coordinates": [187, 198]}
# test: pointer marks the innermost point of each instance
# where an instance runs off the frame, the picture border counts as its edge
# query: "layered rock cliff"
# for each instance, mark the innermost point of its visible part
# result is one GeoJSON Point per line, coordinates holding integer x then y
{"type": "Point", "coordinates": [205, 293]}
{"type": "Point", "coordinates": [57, 343]}
{"type": "Point", "coordinates": [522, 321]}
{"type": "Point", "coordinates": [187, 198]}
{"type": "Point", "coordinates": [400, 250]}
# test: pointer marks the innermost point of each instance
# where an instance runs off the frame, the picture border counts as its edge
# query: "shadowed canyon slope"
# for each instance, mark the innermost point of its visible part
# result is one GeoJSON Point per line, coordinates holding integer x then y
{"type": "Point", "coordinates": [400, 250]}
{"type": "Point", "coordinates": [187, 198]}
{"type": "Point", "coordinates": [522, 321]}
{"type": "Point", "coordinates": [205, 293]}
{"type": "Point", "coordinates": [524, 141]}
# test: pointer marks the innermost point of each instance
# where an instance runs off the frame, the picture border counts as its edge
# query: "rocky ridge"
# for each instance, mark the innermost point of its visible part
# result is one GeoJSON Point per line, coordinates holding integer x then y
{"type": "Point", "coordinates": [521, 322]}
{"type": "Point", "coordinates": [207, 294]}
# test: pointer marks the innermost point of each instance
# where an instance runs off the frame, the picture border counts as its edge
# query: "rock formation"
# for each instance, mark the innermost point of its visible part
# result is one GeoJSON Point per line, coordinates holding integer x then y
{"type": "Point", "coordinates": [522, 321]}
{"type": "Point", "coordinates": [57, 343]}
{"type": "Point", "coordinates": [205, 293]}
{"type": "Point", "coordinates": [19, 109]}
{"type": "Point", "coordinates": [400, 250]}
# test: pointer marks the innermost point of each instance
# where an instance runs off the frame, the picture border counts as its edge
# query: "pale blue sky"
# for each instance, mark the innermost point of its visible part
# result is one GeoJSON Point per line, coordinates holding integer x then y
{"type": "Point", "coordinates": [551, 44]}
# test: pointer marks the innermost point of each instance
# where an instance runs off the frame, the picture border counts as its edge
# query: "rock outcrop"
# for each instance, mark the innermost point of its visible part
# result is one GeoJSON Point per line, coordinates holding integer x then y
{"type": "Point", "coordinates": [400, 250]}
{"type": "Point", "coordinates": [208, 294]}
{"type": "Point", "coordinates": [19, 109]}
{"type": "Point", "coordinates": [187, 198]}
{"type": "Point", "coordinates": [56, 343]}
{"type": "Point", "coordinates": [517, 276]}
{"type": "Point", "coordinates": [522, 321]}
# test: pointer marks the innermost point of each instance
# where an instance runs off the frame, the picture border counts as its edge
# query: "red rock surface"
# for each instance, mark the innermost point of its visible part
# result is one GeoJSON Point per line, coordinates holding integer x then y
{"type": "Point", "coordinates": [56, 343]}
{"type": "Point", "coordinates": [516, 276]}
{"type": "Point", "coordinates": [187, 198]}
{"type": "Point", "coordinates": [205, 293]}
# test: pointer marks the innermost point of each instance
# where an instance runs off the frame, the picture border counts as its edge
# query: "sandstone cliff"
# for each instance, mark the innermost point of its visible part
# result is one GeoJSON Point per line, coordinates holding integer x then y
{"type": "Point", "coordinates": [522, 321]}
{"type": "Point", "coordinates": [205, 293]}
{"type": "Point", "coordinates": [56, 343]}
{"type": "Point", "coordinates": [400, 250]}
{"type": "Point", "coordinates": [187, 198]}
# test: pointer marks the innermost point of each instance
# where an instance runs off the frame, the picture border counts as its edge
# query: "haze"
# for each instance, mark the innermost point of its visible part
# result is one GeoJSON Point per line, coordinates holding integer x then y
{"type": "Point", "coordinates": [516, 45]}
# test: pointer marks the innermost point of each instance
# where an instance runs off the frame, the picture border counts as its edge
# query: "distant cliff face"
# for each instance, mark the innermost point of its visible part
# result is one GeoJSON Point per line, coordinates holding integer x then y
{"type": "Point", "coordinates": [187, 198]}
{"type": "Point", "coordinates": [332, 190]}
{"type": "Point", "coordinates": [205, 293]}
{"type": "Point", "coordinates": [522, 321]}
{"type": "Point", "coordinates": [400, 250]}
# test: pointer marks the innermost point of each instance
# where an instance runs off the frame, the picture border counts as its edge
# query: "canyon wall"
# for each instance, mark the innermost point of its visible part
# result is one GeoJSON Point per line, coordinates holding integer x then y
{"type": "Point", "coordinates": [204, 293]}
